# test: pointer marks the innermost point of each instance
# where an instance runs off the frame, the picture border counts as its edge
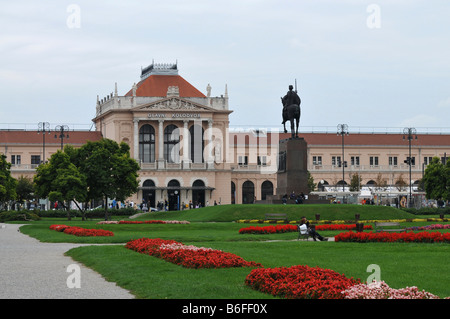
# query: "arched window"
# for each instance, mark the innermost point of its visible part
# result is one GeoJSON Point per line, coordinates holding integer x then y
{"type": "Point", "coordinates": [148, 192]}
{"type": "Point", "coordinates": [248, 192]}
{"type": "Point", "coordinates": [197, 143]}
{"type": "Point", "coordinates": [173, 192]}
{"type": "Point", "coordinates": [198, 193]}
{"type": "Point", "coordinates": [172, 144]}
{"type": "Point", "coordinates": [266, 189]}
{"type": "Point", "coordinates": [147, 144]}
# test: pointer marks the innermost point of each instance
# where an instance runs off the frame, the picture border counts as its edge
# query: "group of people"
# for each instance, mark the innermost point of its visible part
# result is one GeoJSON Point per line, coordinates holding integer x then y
{"type": "Point", "coordinates": [298, 199]}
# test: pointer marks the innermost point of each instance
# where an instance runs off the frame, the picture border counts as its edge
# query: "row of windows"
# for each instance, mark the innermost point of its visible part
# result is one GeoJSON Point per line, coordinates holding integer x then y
{"type": "Point", "coordinates": [373, 160]}
{"type": "Point", "coordinates": [171, 144]}
{"type": "Point", "coordinates": [17, 159]}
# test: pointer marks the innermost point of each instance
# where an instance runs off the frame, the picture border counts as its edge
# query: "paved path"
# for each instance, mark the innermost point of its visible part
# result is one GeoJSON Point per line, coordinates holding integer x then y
{"type": "Point", "coordinates": [30, 269]}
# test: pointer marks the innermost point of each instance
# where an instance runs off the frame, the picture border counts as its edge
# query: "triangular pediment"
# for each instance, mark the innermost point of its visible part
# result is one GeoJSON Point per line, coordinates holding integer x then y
{"type": "Point", "coordinates": [173, 104]}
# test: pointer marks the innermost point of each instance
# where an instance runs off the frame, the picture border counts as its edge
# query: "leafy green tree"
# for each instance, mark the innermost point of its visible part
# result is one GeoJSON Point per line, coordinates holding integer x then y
{"type": "Point", "coordinates": [109, 170]}
{"type": "Point", "coordinates": [24, 188]}
{"type": "Point", "coordinates": [355, 183]}
{"type": "Point", "coordinates": [7, 182]}
{"type": "Point", "coordinates": [436, 180]}
{"type": "Point", "coordinates": [60, 180]}
{"type": "Point", "coordinates": [311, 185]}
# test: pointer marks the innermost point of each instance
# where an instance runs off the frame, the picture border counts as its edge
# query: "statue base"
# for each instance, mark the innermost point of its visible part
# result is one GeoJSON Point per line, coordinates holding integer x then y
{"type": "Point", "coordinates": [292, 175]}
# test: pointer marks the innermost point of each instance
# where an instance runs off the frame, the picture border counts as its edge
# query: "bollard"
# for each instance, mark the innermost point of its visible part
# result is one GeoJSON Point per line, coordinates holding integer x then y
{"type": "Point", "coordinates": [359, 227]}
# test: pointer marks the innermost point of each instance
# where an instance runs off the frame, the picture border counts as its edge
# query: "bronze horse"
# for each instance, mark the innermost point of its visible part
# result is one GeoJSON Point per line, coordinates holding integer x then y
{"type": "Point", "coordinates": [291, 113]}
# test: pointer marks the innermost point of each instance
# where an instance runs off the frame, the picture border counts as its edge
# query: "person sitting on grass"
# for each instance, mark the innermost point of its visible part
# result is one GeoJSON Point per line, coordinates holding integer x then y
{"type": "Point", "coordinates": [311, 230]}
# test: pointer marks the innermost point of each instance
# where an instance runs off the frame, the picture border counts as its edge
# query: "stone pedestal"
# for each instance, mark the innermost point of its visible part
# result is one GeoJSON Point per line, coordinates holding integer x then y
{"type": "Point", "coordinates": [292, 175]}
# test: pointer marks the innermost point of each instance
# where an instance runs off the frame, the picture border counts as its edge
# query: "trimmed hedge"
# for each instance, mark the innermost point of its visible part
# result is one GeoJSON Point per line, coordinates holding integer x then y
{"type": "Point", "coordinates": [23, 215]}
{"type": "Point", "coordinates": [428, 210]}
{"type": "Point", "coordinates": [60, 213]}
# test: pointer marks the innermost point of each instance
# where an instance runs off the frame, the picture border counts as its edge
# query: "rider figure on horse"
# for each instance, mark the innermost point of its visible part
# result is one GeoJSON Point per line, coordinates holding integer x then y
{"type": "Point", "coordinates": [290, 98]}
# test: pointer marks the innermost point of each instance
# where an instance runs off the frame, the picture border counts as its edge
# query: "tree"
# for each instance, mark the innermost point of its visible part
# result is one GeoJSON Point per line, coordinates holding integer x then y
{"type": "Point", "coordinates": [436, 181]}
{"type": "Point", "coordinates": [109, 170]}
{"type": "Point", "coordinates": [311, 185]}
{"type": "Point", "coordinates": [60, 180]}
{"type": "Point", "coordinates": [24, 188]}
{"type": "Point", "coordinates": [7, 182]}
{"type": "Point", "coordinates": [355, 183]}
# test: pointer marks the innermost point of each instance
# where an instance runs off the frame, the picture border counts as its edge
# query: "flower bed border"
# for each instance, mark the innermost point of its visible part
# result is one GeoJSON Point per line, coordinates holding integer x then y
{"type": "Point", "coordinates": [286, 228]}
{"type": "Point", "coordinates": [81, 232]}
{"type": "Point", "coordinates": [300, 282]}
{"type": "Point", "coordinates": [188, 256]}
{"type": "Point", "coordinates": [409, 220]}
{"type": "Point", "coordinates": [402, 237]}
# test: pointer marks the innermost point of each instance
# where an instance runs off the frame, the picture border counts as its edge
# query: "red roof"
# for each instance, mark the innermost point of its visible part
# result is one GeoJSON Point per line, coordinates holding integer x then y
{"type": "Point", "coordinates": [373, 139]}
{"type": "Point", "coordinates": [355, 139]}
{"type": "Point", "coordinates": [157, 85]}
{"type": "Point", "coordinates": [33, 137]}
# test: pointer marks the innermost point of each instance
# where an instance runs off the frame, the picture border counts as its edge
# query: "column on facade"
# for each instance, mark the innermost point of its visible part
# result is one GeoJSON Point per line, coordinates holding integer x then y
{"type": "Point", "coordinates": [161, 144]}
{"type": "Point", "coordinates": [185, 159]}
{"type": "Point", "coordinates": [210, 157]}
{"type": "Point", "coordinates": [136, 139]}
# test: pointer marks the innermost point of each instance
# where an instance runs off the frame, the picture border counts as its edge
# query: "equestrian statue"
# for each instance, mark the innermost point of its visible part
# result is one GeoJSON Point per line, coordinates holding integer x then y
{"type": "Point", "coordinates": [291, 110]}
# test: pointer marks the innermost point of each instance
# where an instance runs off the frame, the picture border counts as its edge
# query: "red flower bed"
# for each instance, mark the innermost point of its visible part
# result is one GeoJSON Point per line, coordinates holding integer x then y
{"type": "Point", "coordinates": [293, 228]}
{"type": "Point", "coordinates": [405, 237]}
{"type": "Point", "coordinates": [300, 282]}
{"type": "Point", "coordinates": [188, 256]}
{"type": "Point", "coordinates": [78, 231]}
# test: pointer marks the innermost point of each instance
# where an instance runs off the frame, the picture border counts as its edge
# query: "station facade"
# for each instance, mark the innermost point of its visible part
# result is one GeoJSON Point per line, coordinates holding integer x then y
{"type": "Point", "coordinates": [188, 155]}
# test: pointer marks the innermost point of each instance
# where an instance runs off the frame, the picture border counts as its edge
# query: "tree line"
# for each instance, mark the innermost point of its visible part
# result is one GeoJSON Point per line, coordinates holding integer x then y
{"type": "Point", "coordinates": [97, 170]}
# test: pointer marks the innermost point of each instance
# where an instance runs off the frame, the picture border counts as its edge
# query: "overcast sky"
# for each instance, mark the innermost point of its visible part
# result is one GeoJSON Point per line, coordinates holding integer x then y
{"type": "Point", "coordinates": [382, 64]}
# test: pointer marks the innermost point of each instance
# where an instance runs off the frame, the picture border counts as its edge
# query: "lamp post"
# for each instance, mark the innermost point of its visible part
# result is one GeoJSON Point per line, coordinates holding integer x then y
{"type": "Point", "coordinates": [62, 129]}
{"type": "Point", "coordinates": [343, 130]}
{"type": "Point", "coordinates": [43, 127]}
{"type": "Point", "coordinates": [408, 133]}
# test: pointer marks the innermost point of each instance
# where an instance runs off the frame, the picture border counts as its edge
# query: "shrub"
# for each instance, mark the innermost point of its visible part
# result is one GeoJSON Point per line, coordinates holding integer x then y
{"type": "Point", "coordinates": [23, 215]}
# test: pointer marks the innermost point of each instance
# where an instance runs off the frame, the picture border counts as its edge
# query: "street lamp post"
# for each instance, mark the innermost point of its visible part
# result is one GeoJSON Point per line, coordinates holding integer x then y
{"type": "Point", "coordinates": [343, 130]}
{"type": "Point", "coordinates": [62, 129]}
{"type": "Point", "coordinates": [43, 127]}
{"type": "Point", "coordinates": [408, 133]}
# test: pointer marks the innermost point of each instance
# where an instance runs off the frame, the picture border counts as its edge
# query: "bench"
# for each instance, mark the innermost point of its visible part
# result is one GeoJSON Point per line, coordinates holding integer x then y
{"type": "Point", "coordinates": [379, 227]}
{"type": "Point", "coordinates": [282, 217]}
{"type": "Point", "coordinates": [302, 232]}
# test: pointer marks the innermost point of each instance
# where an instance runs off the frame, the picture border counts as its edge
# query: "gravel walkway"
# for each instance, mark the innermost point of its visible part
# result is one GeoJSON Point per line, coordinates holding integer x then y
{"type": "Point", "coordinates": [30, 269]}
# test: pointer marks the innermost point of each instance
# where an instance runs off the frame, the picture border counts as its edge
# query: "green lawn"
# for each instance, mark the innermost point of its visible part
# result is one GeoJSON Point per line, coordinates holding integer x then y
{"type": "Point", "coordinates": [423, 265]}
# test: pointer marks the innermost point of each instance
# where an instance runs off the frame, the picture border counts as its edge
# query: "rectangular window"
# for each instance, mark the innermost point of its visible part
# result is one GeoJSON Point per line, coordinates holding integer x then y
{"type": "Point", "coordinates": [35, 159]}
{"type": "Point", "coordinates": [374, 161]}
{"type": "Point", "coordinates": [354, 160]}
{"type": "Point", "coordinates": [393, 161]}
{"type": "Point", "coordinates": [336, 160]}
{"type": "Point", "coordinates": [16, 159]}
{"type": "Point", "coordinates": [262, 160]}
{"type": "Point", "coordinates": [243, 160]}
{"type": "Point", "coordinates": [317, 160]}
{"type": "Point", "coordinates": [427, 160]}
